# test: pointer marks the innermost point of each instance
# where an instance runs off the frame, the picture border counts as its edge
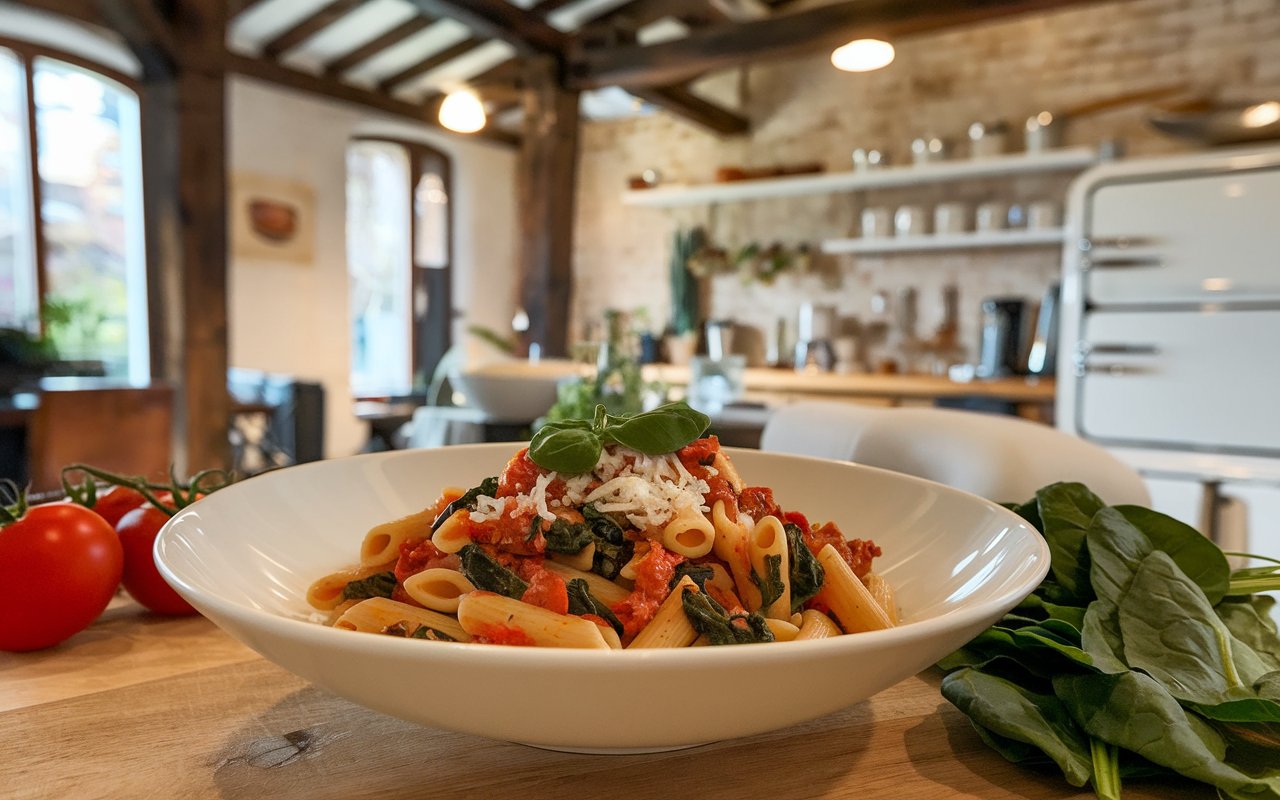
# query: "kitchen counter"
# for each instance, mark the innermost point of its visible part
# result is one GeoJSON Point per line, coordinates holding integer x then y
{"type": "Point", "coordinates": [1031, 397]}
{"type": "Point", "coordinates": [140, 706]}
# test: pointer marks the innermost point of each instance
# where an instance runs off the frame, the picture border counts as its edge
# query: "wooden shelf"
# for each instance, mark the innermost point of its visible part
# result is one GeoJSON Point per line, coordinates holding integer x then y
{"type": "Point", "coordinates": [827, 183]}
{"type": "Point", "coordinates": [953, 241]}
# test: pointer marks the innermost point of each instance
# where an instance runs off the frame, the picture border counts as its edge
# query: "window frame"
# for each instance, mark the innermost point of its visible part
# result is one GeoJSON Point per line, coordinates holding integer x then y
{"type": "Point", "coordinates": [27, 53]}
{"type": "Point", "coordinates": [421, 327]}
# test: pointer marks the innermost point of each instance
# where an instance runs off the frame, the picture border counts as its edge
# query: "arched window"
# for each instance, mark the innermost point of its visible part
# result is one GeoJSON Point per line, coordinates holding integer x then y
{"type": "Point", "coordinates": [72, 259]}
{"type": "Point", "coordinates": [399, 253]}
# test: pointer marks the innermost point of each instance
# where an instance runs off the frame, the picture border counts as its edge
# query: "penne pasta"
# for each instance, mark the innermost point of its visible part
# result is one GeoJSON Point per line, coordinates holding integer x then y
{"type": "Point", "coordinates": [377, 614]}
{"type": "Point", "coordinates": [581, 560]}
{"type": "Point", "coordinates": [499, 618]}
{"type": "Point", "coordinates": [842, 592]}
{"type": "Point", "coordinates": [767, 546]}
{"type": "Point", "coordinates": [640, 531]}
{"type": "Point", "coordinates": [605, 590]}
{"type": "Point", "coordinates": [326, 593]}
{"type": "Point", "coordinates": [452, 535]}
{"type": "Point", "coordinates": [883, 593]}
{"type": "Point", "coordinates": [438, 589]}
{"type": "Point", "coordinates": [816, 625]}
{"type": "Point", "coordinates": [669, 627]}
{"type": "Point", "coordinates": [382, 543]}
{"type": "Point", "coordinates": [690, 534]}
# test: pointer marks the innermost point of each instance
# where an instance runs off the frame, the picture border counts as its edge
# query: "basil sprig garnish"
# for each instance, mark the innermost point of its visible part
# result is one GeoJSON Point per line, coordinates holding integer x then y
{"type": "Point", "coordinates": [573, 446]}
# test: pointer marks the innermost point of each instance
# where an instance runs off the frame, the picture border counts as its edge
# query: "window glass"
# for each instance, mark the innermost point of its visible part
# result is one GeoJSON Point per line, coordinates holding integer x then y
{"type": "Point", "coordinates": [90, 207]}
{"type": "Point", "coordinates": [18, 290]}
{"type": "Point", "coordinates": [378, 258]}
{"type": "Point", "coordinates": [431, 216]}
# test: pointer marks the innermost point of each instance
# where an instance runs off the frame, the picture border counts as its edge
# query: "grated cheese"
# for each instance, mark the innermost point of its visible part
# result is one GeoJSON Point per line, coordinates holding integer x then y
{"type": "Point", "coordinates": [648, 490]}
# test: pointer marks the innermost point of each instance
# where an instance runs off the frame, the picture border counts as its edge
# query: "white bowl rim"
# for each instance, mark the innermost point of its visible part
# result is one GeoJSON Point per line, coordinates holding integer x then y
{"type": "Point", "coordinates": [311, 632]}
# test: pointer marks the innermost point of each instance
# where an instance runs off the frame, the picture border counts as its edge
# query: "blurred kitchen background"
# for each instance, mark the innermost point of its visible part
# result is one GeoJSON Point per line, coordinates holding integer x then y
{"type": "Point", "coordinates": [268, 231]}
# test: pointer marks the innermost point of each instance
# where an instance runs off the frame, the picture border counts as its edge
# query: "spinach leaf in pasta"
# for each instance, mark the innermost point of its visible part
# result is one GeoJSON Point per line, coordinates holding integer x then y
{"type": "Point", "coordinates": [807, 574]}
{"type": "Point", "coordinates": [563, 536]}
{"type": "Point", "coordinates": [581, 601]}
{"type": "Point", "coordinates": [770, 584]}
{"type": "Point", "coordinates": [698, 573]}
{"type": "Point", "coordinates": [380, 585]}
{"type": "Point", "coordinates": [613, 551]}
{"type": "Point", "coordinates": [487, 574]}
{"type": "Point", "coordinates": [488, 487]}
{"type": "Point", "coordinates": [710, 619]}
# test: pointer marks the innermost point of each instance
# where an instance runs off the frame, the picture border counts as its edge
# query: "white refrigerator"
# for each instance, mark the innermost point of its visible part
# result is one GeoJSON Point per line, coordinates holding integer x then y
{"type": "Point", "coordinates": [1169, 353]}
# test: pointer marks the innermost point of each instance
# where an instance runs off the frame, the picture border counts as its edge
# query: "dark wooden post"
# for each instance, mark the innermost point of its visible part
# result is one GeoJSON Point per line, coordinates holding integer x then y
{"type": "Point", "coordinates": [548, 169]}
{"type": "Point", "coordinates": [185, 194]}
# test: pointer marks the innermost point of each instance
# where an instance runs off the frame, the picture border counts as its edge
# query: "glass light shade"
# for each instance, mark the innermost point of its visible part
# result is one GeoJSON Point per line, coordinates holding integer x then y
{"type": "Point", "coordinates": [863, 55]}
{"type": "Point", "coordinates": [462, 111]}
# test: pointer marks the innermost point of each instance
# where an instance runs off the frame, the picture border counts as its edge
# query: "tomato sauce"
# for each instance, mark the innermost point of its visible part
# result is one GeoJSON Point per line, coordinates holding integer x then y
{"type": "Point", "coordinates": [855, 552]}
{"type": "Point", "coordinates": [758, 503]}
{"type": "Point", "coordinates": [417, 555]}
{"type": "Point", "coordinates": [547, 590]}
{"type": "Point", "coordinates": [520, 475]}
{"type": "Point", "coordinates": [503, 634]}
{"type": "Point", "coordinates": [653, 576]}
{"type": "Point", "coordinates": [697, 457]}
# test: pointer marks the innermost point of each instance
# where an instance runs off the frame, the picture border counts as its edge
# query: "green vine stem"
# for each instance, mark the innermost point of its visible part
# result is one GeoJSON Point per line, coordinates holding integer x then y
{"type": "Point", "coordinates": [11, 512]}
{"type": "Point", "coordinates": [183, 495]}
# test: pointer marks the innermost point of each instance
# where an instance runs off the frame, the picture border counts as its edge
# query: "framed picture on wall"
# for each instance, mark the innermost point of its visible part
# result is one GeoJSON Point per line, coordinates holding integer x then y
{"type": "Point", "coordinates": [272, 219]}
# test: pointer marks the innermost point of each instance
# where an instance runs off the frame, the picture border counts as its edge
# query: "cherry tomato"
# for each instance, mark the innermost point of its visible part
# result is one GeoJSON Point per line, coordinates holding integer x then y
{"type": "Point", "coordinates": [137, 530]}
{"type": "Point", "coordinates": [60, 564]}
{"type": "Point", "coordinates": [116, 502]}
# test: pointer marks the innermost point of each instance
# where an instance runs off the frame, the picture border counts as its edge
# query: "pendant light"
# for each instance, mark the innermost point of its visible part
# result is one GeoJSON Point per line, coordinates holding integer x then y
{"type": "Point", "coordinates": [863, 55]}
{"type": "Point", "coordinates": [462, 111]}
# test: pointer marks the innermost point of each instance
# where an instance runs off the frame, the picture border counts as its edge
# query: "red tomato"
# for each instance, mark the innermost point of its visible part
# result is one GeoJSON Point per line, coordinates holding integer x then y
{"type": "Point", "coordinates": [116, 502]}
{"type": "Point", "coordinates": [59, 566]}
{"type": "Point", "coordinates": [142, 580]}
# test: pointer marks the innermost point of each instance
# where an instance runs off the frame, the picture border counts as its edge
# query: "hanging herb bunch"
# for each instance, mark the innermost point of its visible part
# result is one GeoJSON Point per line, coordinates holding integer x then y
{"type": "Point", "coordinates": [753, 262]}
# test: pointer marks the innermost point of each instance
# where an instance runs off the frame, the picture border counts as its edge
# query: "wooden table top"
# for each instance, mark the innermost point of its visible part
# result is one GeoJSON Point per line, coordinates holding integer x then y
{"type": "Point", "coordinates": [140, 706]}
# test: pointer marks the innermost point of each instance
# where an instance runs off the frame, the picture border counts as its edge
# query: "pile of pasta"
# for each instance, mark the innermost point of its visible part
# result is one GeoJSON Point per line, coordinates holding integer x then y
{"type": "Point", "coordinates": [642, 552]}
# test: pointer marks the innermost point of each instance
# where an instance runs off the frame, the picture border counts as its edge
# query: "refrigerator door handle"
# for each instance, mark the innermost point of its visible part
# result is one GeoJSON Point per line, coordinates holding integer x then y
{"type": "Point", "coordinates": [1086, 349]}
{"type": "Point", "coordinates": [1121, 262]}
{"type": "Point", "coordinates": [1116, 242]}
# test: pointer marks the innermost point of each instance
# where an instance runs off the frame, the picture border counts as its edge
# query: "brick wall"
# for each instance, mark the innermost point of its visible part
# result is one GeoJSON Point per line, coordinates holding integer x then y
{"type": "Point", "coordinates": [806, 111]}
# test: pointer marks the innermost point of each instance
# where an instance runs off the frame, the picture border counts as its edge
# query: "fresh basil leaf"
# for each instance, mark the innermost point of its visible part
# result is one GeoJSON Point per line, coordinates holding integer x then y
{"type": "Point", "coordinates": [381, 584]}
{"type": "Point", "coordinates": [663, 430]}
{"type": "Point", "coordinates": [571, 450]}
{"type": "Point", "coordinates": [488, 487]}
{"type": "Point", "coordinates": [806, 571]}
{"type": "Point", "coordinates": [487, 574]}
{"type": "Point", "coordinates": [1200, 559]}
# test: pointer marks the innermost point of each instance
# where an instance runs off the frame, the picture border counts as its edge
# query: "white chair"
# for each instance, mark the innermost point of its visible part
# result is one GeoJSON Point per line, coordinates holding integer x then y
{"type": "Point", "coordinates": [1001, 458]}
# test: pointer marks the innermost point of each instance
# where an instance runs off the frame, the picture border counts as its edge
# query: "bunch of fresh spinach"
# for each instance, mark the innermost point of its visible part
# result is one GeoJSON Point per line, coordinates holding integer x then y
{"type": "Point", "coordinates": [1141, 654]}
{"type": "Point", "coordinates": [573, 446]}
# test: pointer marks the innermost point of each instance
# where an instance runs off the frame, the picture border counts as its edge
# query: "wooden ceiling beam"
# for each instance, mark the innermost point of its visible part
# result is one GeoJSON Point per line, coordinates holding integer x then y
{"type": "Point", "coordinates": [273, 72]}
{"type": "Point", "coordinates": [498, 19]}
{"type": "Point", "coordinates": [786, 35]}
{"type": "Point", "coordinates": [684, 103]}
{"type": "Point", "coordinates": [309, 26]}
{"type": "Point", "coordinates": [391, 82]}
{"type": "Point", "coordinates": [376, 45]}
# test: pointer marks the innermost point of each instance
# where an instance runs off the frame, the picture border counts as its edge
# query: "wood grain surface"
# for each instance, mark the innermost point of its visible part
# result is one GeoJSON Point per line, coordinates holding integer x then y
{"type": "Point", "coordinates": [140, 706]}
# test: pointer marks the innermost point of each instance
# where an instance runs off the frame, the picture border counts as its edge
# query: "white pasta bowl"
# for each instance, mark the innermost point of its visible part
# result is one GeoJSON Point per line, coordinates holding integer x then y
{"type": "Point", "coordinates": [245, 556]}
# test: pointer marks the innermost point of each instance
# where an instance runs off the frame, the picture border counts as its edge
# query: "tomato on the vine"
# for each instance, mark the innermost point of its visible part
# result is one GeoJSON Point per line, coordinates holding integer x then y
{"type": "Point", "coordinates": [60, 564]}
{"type": "Point", "coordinates": [117, 501]}
{"type": "Point", "coordinates": [137, 530]}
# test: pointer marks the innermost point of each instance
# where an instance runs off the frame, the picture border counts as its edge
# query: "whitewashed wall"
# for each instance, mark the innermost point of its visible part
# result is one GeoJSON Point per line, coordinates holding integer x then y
{"type": "Point", "coordinates": [291, 318]}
